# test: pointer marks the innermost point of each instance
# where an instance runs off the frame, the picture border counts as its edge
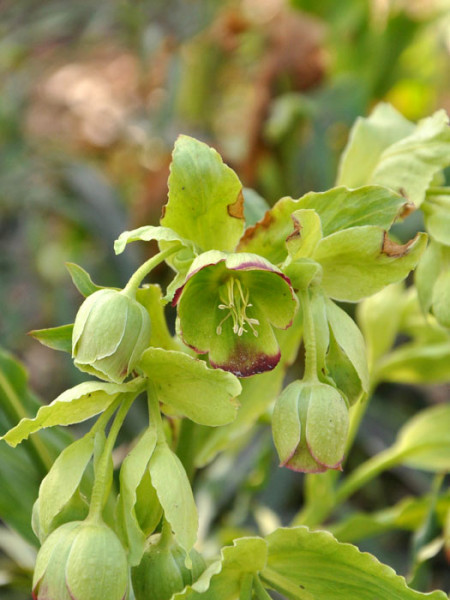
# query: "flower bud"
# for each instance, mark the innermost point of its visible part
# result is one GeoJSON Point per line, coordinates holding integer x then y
{"type": "Point", "coordinates": [310, 425]}
{"type": "Point", "coordinates": [162, 571]}
{"type": "Point", "coordinates": [110, 332]}
{"type": "Point", "coordinates": [81, 561]}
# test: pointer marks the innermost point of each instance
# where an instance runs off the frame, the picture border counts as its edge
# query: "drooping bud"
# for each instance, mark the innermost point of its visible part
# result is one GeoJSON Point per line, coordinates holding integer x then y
{"type": "Point", "coordinates": [310, 425]}
{"type": "Point", "coordinates": [81, 561]}
{"type": "Point", "coordinates": [162, 571]}
{"type": "Point", "coordinates": [110, 332]}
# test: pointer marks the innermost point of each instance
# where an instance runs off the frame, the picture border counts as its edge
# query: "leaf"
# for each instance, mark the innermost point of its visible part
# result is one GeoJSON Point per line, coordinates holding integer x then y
{"type": "Point", "coordinates": [436, 209]}
{"type": "Point", "coordinates": [62, 480]}
{"type": "Point", "coordinates": [150, 297]}
{"type": "Point", "coordinates": [416, 363]}
{"type": "Point", "coordinates": [254, 206]}
{"type": "Point", "coordinates": [339, 208]}
{"type": "Point", "coordinates": [131, 473]}
{"type": "Point", "coordinates": [73, 406]}
{"type": "Point", "coordinates": [306, 235]}
{"type": "Point", "coordinates": [427, 272]}
{"type": "Point", "coordinates": [146, 234]}
{"type": "Point", "coordinates": [82, 280]}
{"type": "Point", "coordinates": [57, 338]}
{"type": "Point", "coordinates": [387, 150]}
{"type": "Point", "coordinates": [223, 580]}
{"type": "Point", "coordinates": [175, 494]}
{"type": "Point", "coordinates": [313, 565]}
{"type": "Point", "coordinates": [408, 514]}
{"type": "Point", "coordinates": [18, 490]}
{"type": "Point", "coordinates": [359, 262]}
{"type": "Point", "coordinates": [379, 318]}
{"type": "Point", "coordinates": [192, 389]}
{"type": "Point", "coordinates": [441, 298]}
{"type": "Point", "coordinates": [205, 197]}
{"type": "Point", "coordinates": [424, 441]}
{"type": "Point", "coordinates": [350, 340]}
{"type": "Point", "coordinates": [368, 139]}
{"type": "Point", "coordinates": [22, 469]}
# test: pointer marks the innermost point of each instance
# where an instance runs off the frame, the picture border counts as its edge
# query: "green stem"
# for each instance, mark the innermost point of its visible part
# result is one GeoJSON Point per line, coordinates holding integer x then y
{"type": "Point", "coordinates": [309, 338]}
{"type": "Point", "coordinates": [36, 447]}
{"type": "Point", "coordinates": [99, 491]}
{"type": "Point", "coordinates": [155, 413]}
{"type": "Point", "coordinates": [367, 471]}
{"type": "Point", "coordinates": [245, 591]}
{"type": "Point", "coordinates": [260, 590]}
{"type": "Point", "coordinates": [425, 534]}
{"type": "Point", "coordinates": [135, 280]}
{"type": "Point", "coordinates": [186, 447]}
{"type": "Point", "coordinates": [438, 191]}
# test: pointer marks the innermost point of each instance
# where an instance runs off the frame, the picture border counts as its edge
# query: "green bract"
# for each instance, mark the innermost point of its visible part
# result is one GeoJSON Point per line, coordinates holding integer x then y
{"type": "Point", "coordinates": [310, 424]}
{"type": "Point", "coordinates": [110, 332]}
{"type": "Point", "coordinates": [162, 571]}
{"type": "Point", "coordinates": [81, 561]}
{"type": "Point", "coordinates": [228, 306]}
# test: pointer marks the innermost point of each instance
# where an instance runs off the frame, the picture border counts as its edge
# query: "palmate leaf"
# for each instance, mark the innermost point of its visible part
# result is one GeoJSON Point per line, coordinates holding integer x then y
{"type": "Point", "coordinates": [361, 261]}
{"type": "Point", "coordinates": [339, 208]}
{"type": "Point", "coordinates": [223, 580]}
{"type": "Point", "coordinates": [61, 482]}
{"type": "Point", "coordinates": [191, 388]}
{"type": "Point", "coordinates": [148, 233]}
{"type": "Point", "coordinates": [388, 150]}
{"type": "Point", "coordinates": [175, 494]}
{"type": "Point", "coordinates": [73, 406]}
{"type": "Point", "coordinates": [313, 565]}
{"type": "Point", "coordinates": [131, 474]}
{"type": "Point", "coordinates": [206, 203]}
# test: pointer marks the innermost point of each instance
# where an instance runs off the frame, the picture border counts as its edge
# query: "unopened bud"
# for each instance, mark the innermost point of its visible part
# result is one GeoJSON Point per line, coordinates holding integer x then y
{"type": "Point", "coordinates": [162, 571]}
{"type": "Point", "coordinates": [81, 561]}
{"type": "Point", "coordinates": [110, 332]}
{"type": "Point", "coordinates": [310, 425]}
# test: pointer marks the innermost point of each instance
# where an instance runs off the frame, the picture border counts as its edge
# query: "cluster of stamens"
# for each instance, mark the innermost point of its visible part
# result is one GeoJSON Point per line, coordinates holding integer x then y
{"type": "Point", "coordinates": [236, 301]}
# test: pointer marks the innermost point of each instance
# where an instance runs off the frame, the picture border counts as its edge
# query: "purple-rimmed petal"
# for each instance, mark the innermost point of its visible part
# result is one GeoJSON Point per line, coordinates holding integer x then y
{"type": "Point", "coordinates": [227, 307]}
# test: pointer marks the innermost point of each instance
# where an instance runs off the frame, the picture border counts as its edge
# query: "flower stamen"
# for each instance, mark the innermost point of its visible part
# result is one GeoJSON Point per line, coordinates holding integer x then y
{"type": "Point", "coordinates": [236, 301]}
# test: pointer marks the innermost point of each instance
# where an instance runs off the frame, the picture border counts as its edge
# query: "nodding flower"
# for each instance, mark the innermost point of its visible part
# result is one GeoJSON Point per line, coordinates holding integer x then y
{"type": "Point", "coordinates": [228, 307]}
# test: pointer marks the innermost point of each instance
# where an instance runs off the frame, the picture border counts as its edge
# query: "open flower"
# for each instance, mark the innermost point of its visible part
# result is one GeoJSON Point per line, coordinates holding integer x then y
{"type": "Point", "coordinates": [228, 307]}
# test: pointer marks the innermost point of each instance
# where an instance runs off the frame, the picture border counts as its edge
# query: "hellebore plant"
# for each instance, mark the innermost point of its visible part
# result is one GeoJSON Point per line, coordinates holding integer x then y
{"type": "Point", "coordinates": [260, 337]}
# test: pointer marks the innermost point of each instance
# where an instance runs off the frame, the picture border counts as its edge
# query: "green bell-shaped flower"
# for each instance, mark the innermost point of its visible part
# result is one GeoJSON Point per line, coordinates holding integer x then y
{"type": "Point", "coordinates": [162, 571]}
{"type": "Point", "coordinates": [81, 561]}
{"type": "Point", "coordinates": [228, 307]}
{"type": "Point", "coordinates": [110, 332]}
{"type": "Point", "coordinates": [310, 425]}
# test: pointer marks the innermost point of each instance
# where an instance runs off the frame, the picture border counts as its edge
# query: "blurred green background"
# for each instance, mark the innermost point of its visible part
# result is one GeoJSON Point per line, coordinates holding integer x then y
{"type": "Point", "coordinates": [93, 96]}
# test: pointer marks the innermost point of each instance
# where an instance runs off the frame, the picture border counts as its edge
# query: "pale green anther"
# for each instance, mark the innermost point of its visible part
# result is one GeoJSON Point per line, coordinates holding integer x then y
{"type": "Point", "coordinates": [235, 299]}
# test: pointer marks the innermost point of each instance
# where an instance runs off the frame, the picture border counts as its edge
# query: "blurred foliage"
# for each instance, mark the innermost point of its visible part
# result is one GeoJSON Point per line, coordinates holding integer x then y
{"type": "Point", "coordinates": [92, 97]}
